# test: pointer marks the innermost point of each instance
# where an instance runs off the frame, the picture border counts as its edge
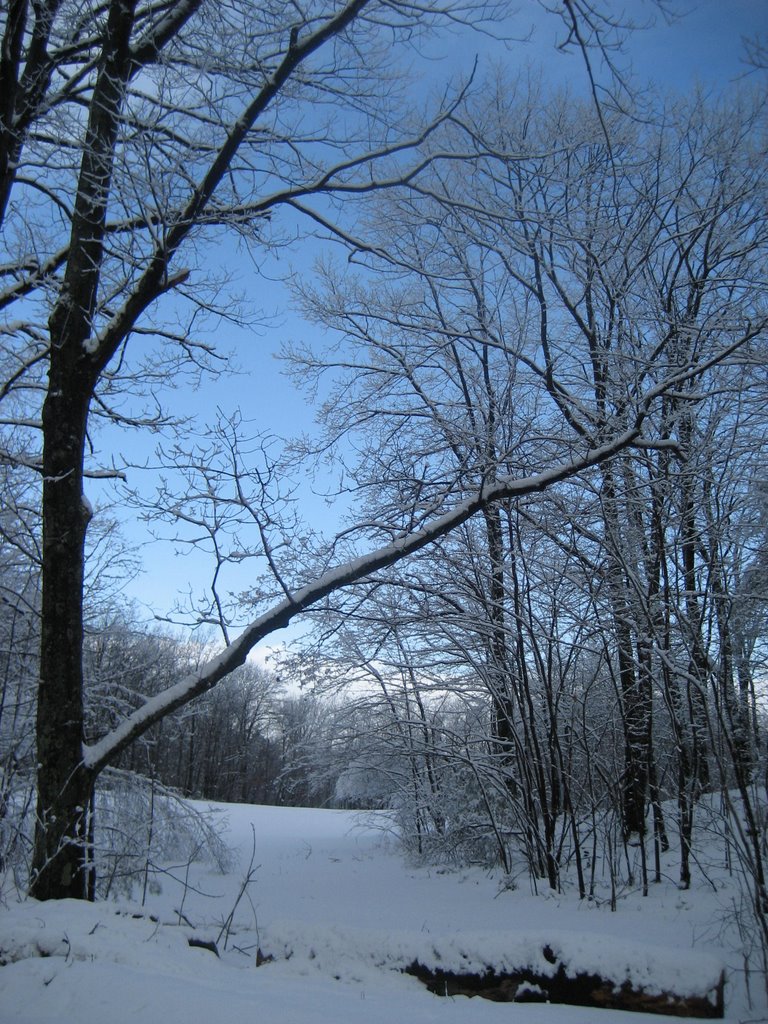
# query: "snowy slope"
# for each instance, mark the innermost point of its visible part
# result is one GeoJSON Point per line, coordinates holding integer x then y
{"type": "Point", "coordinates": [335, 905]}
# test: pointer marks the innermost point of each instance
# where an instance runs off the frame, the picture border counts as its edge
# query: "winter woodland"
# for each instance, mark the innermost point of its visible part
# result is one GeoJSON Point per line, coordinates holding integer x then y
{"type": "Point", "coordinates": [534, 623]}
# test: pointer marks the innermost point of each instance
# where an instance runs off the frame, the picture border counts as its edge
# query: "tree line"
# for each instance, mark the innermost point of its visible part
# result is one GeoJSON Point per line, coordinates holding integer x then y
{"type": "Point", "coordinates": [251, 741]}
{"type": "Point", "coordinates": [545, 413]}
{"type": "Point", "coordinates": [577, 675]}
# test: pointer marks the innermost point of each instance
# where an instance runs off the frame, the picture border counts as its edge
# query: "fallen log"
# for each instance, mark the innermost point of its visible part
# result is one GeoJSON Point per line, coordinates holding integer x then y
{"type": "Point", "coordinates": [574, 988]}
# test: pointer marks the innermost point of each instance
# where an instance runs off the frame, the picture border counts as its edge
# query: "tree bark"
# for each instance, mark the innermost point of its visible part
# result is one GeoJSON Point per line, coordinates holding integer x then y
{"type": "Point", "coordinates": [635, 690]}
{"type": "Point", "coordinates": [64, 784]}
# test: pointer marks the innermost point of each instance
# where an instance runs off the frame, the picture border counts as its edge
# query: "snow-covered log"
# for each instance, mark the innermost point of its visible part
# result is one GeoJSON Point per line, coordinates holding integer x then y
{"type": "Point", "coordinates": [556, 978]}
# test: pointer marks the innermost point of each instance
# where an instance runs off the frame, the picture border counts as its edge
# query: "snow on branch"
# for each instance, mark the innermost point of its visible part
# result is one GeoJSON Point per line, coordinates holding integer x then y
{"type": "Point", "coordinates": [97, 755]}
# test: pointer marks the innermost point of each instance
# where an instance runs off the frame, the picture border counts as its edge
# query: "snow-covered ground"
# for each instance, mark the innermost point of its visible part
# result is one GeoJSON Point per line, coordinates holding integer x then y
{"type": "Point", "coordinates": [334, 903]}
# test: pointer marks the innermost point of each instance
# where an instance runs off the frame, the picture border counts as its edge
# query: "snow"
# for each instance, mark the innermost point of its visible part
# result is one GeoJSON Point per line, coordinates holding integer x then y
{"type": "Point", "coordinates": [341, 912]}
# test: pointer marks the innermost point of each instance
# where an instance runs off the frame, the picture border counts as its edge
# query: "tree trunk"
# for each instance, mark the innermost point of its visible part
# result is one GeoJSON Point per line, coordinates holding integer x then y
{"type": "Point", "coordinates": [59, 867]}
{"type": "Point", "coordinates": [635, 690]}
{"type": "Point", "coordinates": [499, 667]}
{"type": "Point", "coordinates": [64, 786]}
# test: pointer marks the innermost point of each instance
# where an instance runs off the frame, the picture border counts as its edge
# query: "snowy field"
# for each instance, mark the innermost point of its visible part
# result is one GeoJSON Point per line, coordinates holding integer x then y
{"type": "Point", "coordinates": [335, 905]}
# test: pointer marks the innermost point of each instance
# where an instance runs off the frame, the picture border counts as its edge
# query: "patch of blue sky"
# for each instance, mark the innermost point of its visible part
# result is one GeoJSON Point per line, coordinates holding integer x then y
{"type": "Point", "coordinates": [703, 47]}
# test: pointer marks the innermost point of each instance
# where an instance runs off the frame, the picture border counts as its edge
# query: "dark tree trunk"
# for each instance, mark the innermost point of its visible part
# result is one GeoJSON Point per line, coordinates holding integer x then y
{"type": "Point", "coordinates": [635, 689]}
{"type": "Point", "coordinates": [64, 787]}
{"type": "Point", "coordinates": [698, 661]}
{"type": "Point", "coordinates": [636, 701]}
{"type": "Point", "coordinates": [499, 667]}
{"type": "Point", "coordinates": [61, 863]}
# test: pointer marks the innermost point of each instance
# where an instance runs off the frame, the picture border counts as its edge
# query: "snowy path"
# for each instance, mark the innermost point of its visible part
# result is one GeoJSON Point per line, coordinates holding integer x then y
{"type": "Point", "coordinates": [334, 903]}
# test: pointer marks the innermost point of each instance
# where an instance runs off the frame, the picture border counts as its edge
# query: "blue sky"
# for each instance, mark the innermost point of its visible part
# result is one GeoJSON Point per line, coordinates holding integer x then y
{"type": "Point", "coordinates": [703, 48]}
{"type": "Point", "coordinates": [700, 44]}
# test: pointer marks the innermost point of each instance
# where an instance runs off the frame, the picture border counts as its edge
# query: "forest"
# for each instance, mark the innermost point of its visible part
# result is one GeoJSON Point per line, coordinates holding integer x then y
{"type": "Point", "coordinates": [536, 630]}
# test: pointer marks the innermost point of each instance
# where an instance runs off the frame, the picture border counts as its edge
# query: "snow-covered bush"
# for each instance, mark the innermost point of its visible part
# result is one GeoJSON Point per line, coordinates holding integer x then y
{"type": "Point", "coordinates": [144, 830]}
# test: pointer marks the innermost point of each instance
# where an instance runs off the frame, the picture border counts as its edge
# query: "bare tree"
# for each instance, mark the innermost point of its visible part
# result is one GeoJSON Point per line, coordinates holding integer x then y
{"type": "Point", "coordinates": [527, 309]}
{"type": "Point", "coordinates": [130, 135]}
{"type": "Point", "coordinates": [129, 132]}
